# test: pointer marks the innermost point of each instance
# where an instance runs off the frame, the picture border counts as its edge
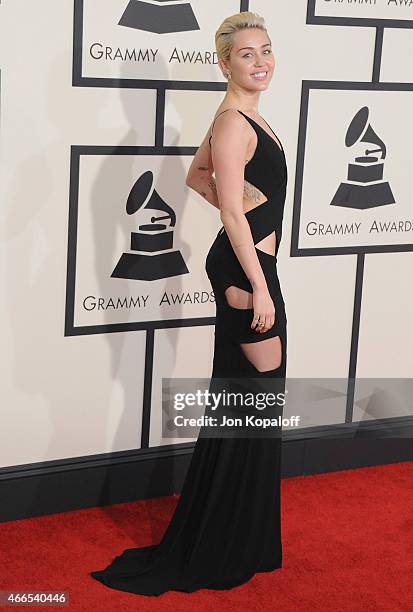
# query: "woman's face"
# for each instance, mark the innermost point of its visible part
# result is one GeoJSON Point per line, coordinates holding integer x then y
{"type": "Point", "coordinates": [251, 55]}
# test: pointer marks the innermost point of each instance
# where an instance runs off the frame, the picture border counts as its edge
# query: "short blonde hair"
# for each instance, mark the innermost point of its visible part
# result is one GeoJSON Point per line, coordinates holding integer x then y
{"type": "Point", "coordinates": [224, 35]}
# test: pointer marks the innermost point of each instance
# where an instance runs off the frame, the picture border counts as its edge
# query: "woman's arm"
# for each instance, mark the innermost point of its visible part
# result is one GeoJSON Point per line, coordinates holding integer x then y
{"type": "Point", "coordinates": [200, 177]}
{"type": "Point", "coordinates": [229, 151]}
{"type": "Point", "coordinates": [225, 192]}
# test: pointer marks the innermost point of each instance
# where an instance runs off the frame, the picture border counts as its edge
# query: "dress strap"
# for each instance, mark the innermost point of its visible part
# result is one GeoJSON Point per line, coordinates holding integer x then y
{"type": "Point", "coordinates": [212, 126]}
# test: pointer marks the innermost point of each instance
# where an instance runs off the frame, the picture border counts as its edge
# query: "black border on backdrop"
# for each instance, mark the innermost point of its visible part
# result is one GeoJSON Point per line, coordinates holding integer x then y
{"type": "Point", "coordinates": [307, 86]}
{"type": "Point", "coordinates": [78, 80]}
{"type": "Point", "coordinates": [77, 151]}
{"type": "Point", "coordinates": [366, 22]}
{"type": "Point", "coordinates": [360, 252]}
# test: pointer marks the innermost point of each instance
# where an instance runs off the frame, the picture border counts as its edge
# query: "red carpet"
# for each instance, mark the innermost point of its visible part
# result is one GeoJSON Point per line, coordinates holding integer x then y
{"type": "Point", "coordinates": [347, 541]}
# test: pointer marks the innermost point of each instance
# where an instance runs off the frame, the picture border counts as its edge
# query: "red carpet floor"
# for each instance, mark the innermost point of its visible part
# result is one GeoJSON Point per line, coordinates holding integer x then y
{"type": "Point", "coordinates": [347, 541]}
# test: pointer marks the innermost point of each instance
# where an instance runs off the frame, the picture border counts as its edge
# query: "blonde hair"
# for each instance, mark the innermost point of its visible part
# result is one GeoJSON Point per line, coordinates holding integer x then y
{"type": "Point", "coordinates": [224, 35]}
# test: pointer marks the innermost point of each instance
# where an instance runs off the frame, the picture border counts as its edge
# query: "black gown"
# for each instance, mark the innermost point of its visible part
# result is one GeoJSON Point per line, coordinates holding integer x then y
{"type": "Point", "coordinates": [226, 525]}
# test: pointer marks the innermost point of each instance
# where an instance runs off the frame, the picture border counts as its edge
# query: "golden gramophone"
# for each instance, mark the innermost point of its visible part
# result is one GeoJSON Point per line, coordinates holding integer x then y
{"type": "Point", "coordinates": [152, 256]}
{"type": "Point", "coordinates": [367, 189]}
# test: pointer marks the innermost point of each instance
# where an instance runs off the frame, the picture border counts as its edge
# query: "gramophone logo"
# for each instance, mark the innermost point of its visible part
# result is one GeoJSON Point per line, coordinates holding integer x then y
{"type": "Point", "coordinates": [367, 188]}
{"type": "Point", "coordinates": [159, 16]}
{"type": "Point", "coordinates": [152, 256]}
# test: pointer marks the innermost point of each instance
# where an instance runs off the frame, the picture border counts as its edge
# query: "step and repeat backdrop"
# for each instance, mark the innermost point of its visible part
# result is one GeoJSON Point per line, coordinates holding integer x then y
{"type": "Point", "coordinates": [104, 289]}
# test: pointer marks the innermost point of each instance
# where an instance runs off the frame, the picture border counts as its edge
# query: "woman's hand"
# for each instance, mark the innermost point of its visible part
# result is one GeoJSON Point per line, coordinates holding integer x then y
{"type": "Point", "coordinates": [264, 310]}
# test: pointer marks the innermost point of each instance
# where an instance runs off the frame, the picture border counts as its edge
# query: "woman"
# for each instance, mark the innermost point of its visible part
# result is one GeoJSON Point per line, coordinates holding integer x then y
{"type": "Point", "coordinates": [226, 525]}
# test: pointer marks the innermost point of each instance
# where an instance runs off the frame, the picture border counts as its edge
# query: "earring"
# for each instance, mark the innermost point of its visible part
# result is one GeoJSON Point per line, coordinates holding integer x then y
{"type": "Point", "coordinates": [228, 75]}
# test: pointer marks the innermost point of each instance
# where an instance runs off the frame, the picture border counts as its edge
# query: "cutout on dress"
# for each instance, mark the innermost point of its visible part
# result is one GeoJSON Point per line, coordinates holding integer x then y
{"type": "Point", "coordinates": [238, 298]}
{"type": "Point", "coordinates": [264, 355]}
{"type": "Point", "coordinates": [267, 244]}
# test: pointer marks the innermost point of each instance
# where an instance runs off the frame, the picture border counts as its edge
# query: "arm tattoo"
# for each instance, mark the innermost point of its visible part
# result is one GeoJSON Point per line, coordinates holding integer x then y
{"type": "Point", "coordinates": [212, 185]}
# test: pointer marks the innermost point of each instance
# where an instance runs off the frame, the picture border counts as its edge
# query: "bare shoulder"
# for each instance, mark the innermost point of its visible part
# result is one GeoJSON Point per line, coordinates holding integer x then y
{"type": "Point", "coordinates": [228, 128]}
{"type": "Point", "coordinates": [226, 116]}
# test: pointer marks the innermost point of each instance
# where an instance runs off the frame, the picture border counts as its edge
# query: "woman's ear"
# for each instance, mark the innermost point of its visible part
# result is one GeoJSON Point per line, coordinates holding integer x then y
{"type": "Point", "coordinates": [223, 67]}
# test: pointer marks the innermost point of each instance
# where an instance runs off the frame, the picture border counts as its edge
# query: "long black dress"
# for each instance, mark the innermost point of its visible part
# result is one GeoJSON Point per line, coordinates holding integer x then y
{"type": "Point", "coordinates": [226, 525]}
